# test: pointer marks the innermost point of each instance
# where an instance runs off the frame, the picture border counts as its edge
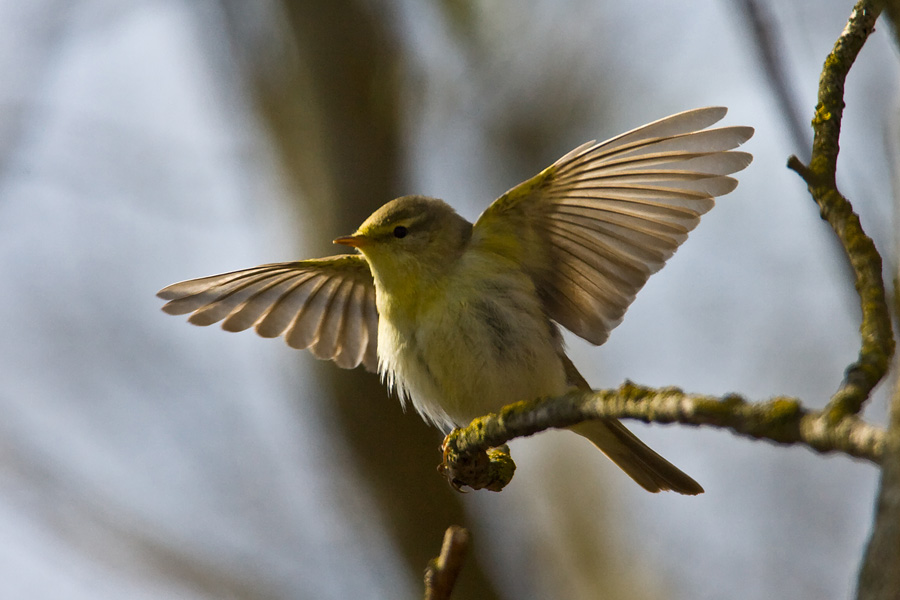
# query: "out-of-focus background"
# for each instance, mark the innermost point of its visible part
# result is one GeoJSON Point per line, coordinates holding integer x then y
{"type": "Point", "coordinates": [150, 141]}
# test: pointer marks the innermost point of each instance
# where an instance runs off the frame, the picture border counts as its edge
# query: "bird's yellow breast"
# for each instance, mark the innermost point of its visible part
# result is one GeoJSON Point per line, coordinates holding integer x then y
{"type": "Point", "coordinates": [469, 343]}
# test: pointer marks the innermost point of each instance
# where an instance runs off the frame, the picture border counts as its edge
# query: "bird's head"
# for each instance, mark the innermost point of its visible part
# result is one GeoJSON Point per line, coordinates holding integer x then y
{"type": "Point", "coordinates": [410, 242]}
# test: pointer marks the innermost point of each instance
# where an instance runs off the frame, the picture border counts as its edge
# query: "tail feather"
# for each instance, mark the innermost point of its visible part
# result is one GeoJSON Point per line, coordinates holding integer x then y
{"type": "Point", "coordinates": [650, 470]}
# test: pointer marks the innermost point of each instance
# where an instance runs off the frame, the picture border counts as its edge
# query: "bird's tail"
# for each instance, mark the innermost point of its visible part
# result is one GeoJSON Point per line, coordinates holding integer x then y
{"type": "Point", "coordinates": [650, 470]}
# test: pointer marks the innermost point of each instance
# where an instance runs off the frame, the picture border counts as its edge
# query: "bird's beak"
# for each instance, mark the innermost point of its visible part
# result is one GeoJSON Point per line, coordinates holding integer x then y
{"type": "Point", "coordinates": [356, 240]}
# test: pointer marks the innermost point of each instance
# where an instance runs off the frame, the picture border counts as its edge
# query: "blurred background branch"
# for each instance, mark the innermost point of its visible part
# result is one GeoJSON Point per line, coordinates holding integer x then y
{"type": "Point", "coordinates": [442, 572]}
{"type": "Point", "coordinates": [770, 50]}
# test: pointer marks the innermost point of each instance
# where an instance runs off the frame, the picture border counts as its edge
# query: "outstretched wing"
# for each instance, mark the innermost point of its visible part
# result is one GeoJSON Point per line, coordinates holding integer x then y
{"type": "Point", "coordinates": [591, 228]}
{"type": "Point", "coordinates": [326, 305]}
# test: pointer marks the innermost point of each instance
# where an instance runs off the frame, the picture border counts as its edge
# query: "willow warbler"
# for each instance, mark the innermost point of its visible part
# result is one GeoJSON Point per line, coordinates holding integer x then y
{"type": "Point", "coordinates": [462, 319]}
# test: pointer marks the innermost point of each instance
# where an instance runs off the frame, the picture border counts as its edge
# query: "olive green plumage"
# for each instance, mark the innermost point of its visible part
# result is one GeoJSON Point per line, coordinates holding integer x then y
{"type": "Point", "coordinates": [463, 319]}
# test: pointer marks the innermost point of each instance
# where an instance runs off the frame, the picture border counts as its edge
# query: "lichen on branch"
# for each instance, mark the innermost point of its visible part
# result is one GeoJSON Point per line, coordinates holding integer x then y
{"type": "Point", "coordinates": [472, 457]}
{"type": "Point", "coordinates": [877, 346]}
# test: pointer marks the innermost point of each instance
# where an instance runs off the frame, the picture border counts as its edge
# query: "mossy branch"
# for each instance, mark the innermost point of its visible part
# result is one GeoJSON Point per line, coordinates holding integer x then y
{"type": "Point", "coordinates": [472, 457]}
{"type": "Point", "coordinates": [875, 329]}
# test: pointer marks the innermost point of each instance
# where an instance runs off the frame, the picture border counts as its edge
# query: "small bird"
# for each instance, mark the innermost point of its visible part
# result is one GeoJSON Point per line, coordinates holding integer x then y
{"type": "Point", "coordinates": [461, 319]}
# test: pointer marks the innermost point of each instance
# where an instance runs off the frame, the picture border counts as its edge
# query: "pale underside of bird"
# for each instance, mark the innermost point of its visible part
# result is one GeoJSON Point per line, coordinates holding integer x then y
{"type": "Point", "coordinates": [463, 319]}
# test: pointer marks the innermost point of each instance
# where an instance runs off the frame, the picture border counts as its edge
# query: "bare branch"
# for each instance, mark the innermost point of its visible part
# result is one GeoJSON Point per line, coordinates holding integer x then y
{"type": "Point", "coordinates": [877, 338]}
{"type": "Point", "coordinates": [471, 457]}
{"type": "Point", "coordinates": [441, 574]}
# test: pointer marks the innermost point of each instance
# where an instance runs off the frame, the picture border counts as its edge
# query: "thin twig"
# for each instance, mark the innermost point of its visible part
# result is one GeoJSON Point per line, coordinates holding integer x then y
{"type": "Point", "coordinates": [471, 458]}
{"type": "Point", "coordinates": [877, 346]}
{"type": "Point", "coordinates": [441, 573]}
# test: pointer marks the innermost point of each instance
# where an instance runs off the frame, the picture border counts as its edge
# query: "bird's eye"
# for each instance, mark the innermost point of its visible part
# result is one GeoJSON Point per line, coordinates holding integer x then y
{"type": "Point", "coordinates": [400, 232]}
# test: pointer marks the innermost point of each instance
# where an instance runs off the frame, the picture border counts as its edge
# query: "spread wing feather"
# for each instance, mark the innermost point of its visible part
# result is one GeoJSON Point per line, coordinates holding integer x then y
{"type": "Point", "coordinates": [591, 228]}
{"type": "Point", "coordinates": [326, 305]}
